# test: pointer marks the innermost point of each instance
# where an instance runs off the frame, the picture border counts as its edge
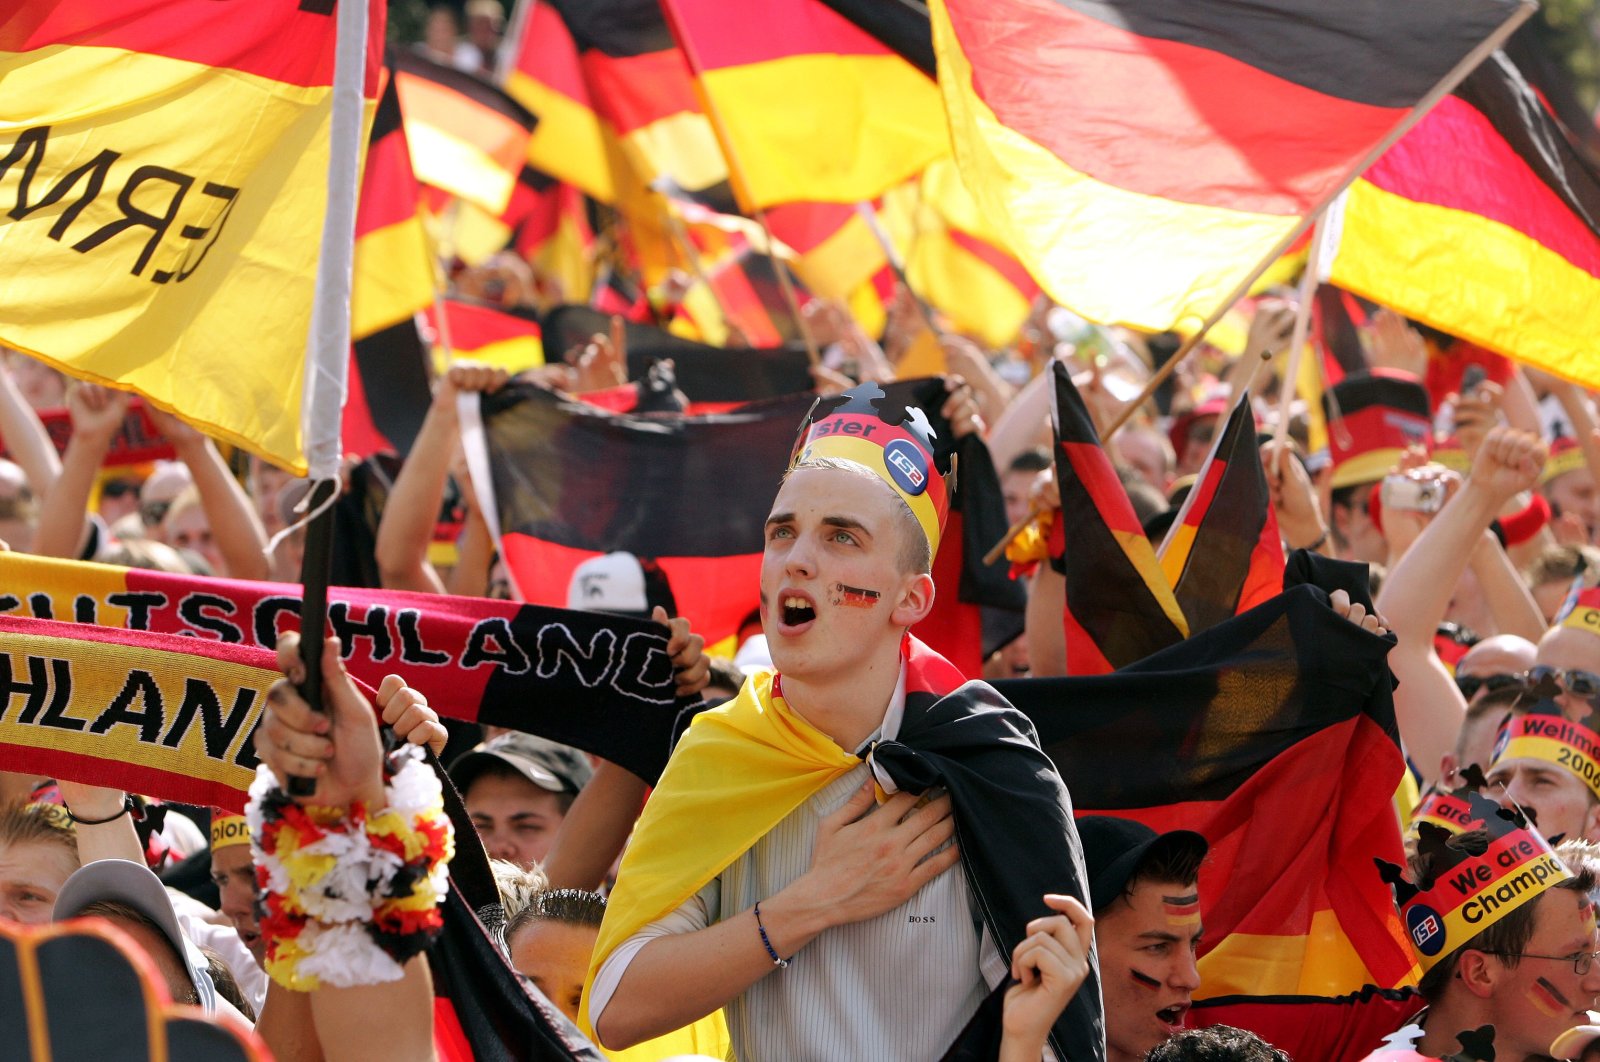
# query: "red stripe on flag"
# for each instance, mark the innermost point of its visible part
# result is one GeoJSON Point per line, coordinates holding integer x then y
{"type": "Point", "coordinates": [633, 91]}
{"type": "Point", "coordinates": [1100, 479]}
{"type": "Point", "coordinates": [1160, 117]}
{"type": "Point", "coordinates": [1206, 491]}
{"type": "Point", "coordinates": [1001, 262]}
{"type": "Point", "coordinates": [550, 56]}
{"type": "Point", "coordinates": [1513, 194]}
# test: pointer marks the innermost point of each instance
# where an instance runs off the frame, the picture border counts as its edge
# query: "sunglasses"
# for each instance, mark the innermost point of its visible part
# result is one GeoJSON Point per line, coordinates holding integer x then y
{"type": "Point", "coordinates": [116, 488]}
{"type": "Point", "coordinates": [1469, 685]}
{"type": "Point", "coordinates": [1573, 680]}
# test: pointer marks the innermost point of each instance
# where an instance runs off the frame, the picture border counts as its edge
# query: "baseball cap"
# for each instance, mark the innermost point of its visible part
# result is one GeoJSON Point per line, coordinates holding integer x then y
{"type": "Point", "coordinates": [613, 582]}
{"type": "Point", "coordinates": [1114, 849]}
{"type": "Point", "coordinates": [1571, 1044]}
{"type": "Point", "coordinates": [133, 885]}
{"type": "Point", "coordinates": [545, 763]}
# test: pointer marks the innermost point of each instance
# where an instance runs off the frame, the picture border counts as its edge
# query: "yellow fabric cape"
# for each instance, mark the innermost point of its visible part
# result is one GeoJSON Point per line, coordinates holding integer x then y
{"type": "Point", "coordinates": [736, 773]}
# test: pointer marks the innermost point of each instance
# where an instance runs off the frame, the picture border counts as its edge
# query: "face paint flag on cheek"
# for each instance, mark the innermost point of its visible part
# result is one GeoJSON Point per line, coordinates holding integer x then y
{"type": "Point", "coordinates": [856, 597]}
{"type": "Point", "coordinates": [1144, 979]}
{"type": "Point", "coordinates": [1548, 1000]}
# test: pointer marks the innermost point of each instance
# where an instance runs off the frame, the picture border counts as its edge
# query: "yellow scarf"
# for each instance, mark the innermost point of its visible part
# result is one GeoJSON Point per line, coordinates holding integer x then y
{"type": "Point", "coordinates": [738, 771]}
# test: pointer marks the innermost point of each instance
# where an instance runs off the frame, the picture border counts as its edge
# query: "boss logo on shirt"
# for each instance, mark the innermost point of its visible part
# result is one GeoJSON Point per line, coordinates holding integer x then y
{"type": "Point", "coordinates": [920, 919]}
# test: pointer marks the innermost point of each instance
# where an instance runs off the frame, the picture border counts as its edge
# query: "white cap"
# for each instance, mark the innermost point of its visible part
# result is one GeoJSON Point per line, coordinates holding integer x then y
{"type": "Point", "coordinates": [610, 583]}
{"type": "Point", "coordinates": [1571, 1043]}
{"type": "Point", "coordinates": [753, 655]}
{"type": "Point", "coordinates": [133, 885]}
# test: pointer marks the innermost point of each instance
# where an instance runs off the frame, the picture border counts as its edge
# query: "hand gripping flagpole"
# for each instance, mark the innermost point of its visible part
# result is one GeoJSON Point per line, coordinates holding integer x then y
{"type": "Point", "coordinates": [328, 345]}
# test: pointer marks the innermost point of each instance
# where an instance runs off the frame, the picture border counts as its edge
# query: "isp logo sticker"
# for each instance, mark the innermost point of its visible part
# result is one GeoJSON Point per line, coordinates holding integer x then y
{"type": "Point", "coordinates": [1426, 929]}
{"type": "Point", "coordinates": [907, 467]}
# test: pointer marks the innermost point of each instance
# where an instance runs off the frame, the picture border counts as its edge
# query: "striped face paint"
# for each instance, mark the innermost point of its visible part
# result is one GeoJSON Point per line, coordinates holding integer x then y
{"type": "Point", "coordinates": [1548, 1000]}
{"type": "Point", "coordinates": [855, 596]}
{"type": "Point", "coordinates": [1587, 913]}
{"type": "Point", "coordinates": [1144, 979]}
{"type": "Point", "coordinates": [1182, 910]}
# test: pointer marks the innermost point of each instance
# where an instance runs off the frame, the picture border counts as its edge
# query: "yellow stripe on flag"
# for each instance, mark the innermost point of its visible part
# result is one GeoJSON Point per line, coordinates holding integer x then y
{"type": "Point", "coordinates": [1142, 556]}
{"type": "Point", "coordinates": [569, 142]}
{"type": "Point", "coordinates": [1159, 262]}
{"type": "Point", "coordinates": [513, 355]}
{"type": "Point", "coordinates": [394, 276]}
{"type": "Point", "coordinates": [1518, 297]}
{"type": "Point", "coordinates": [884, 123]}
{"type": "Point", "coordinates": [167, 240]}
{"type": "Point", "coordinates": [1323, 962]}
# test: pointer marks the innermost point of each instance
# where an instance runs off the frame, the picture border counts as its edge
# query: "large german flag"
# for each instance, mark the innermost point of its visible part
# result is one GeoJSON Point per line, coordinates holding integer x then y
{"type": "Point", "coordinates": [569, 482]}
{"type": "Point", "coordinates": [1223, 554]}
{"type": "Point", "coordinates": [1142, 157]}
{"type": "Point", "coordinates": [468, 138]}
{"type": "Point", "coordinates": [1120, 608]}
{"type": "Point", "coordinates": [1509, 260]}
{"type": "Point", "coordinates": [776, 73]}
{"type": "Point", "coordinates": [1276, 737]}
{"type": "Point", "coordinates": [150, 244]}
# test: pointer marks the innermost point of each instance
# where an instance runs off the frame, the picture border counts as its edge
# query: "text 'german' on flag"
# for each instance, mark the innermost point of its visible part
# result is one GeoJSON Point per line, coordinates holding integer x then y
{"type": "Point", "coordinates": [1223, 555]}
{"type": "Point", "coordinates": [1509, 260]}
{"type": "Point", "coordinates": [812, 107]}
{"type": "Point", "coordinates": [151, 244]}
{"type": "Point", "coordinates": [468, 138]}
{"type": "Point", "coordinates": [1120, 608]}
{"type": "Point", "coordinates": [508, 338]}
{"type": "Point", "coordinates": [1143, 157]}
{"type": "Point", "coordinates": [1275, 737]}
{"type": "Point", "coordinates": [392, 279]}
{"type": "Point", "coordinates": [566, 482]}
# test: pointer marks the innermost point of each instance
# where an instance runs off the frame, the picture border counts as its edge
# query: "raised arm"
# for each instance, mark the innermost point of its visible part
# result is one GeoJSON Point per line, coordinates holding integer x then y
{"type": "Point", "coordinates": [406, 526]}
{"type": "Point", "coordinates": [235, 527]}
{"type": "Point", "coordinates": [1417, 592]}
{"type": "Point", "coordinates": [26, 439]}
{"type": "Point", "coordinates": [97, 413]}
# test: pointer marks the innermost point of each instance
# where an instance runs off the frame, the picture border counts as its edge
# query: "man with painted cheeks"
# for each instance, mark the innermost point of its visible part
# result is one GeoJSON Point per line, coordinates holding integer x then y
{"type": "Point", "coordinates": [850, 855]}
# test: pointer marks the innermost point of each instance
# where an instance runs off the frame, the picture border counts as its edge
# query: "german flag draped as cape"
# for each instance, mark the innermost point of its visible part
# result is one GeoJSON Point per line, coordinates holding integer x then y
{"type": "Point", "coordinates": [149, 242]}
{"type": "Point", "coordinates": [742, 767]}
{"type": "Point", "coordinates": [1143, 156]}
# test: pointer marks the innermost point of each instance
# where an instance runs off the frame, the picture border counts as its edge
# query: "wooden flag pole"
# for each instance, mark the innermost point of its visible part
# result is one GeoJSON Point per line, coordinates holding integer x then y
{"type": "Point", "coordinates": [1297, 341]}
{"type": "Point", "coordinates": [869, 217]}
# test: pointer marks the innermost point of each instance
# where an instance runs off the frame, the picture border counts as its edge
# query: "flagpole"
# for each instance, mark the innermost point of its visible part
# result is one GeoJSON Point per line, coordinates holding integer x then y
{"type": "Point", "coordinates": [328, 346]}
{"type": "Point", "coordinates": [742, 186]}
{"type": "Point", "coordinates": [1297, 341]}
{"type": "Point", "coordinates": [511, 42]}
{"type": "Point", "coordinates": [870, 218]}
{"type": "Point", "coordinates": [1415, 115]}
{"type": "Point", "coordinates": [680, 233]}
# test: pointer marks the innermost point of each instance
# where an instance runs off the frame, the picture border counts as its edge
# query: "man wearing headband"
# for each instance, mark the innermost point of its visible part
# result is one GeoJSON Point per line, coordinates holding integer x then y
{"type": "Point", "coordinates": [1547, 753]}
{"type": "Point", "coordinates": [795, 864]}
{"type": "Point", "coordinates": [1504, 933]}
{"type": "Point", "coordinates": [235, 876]}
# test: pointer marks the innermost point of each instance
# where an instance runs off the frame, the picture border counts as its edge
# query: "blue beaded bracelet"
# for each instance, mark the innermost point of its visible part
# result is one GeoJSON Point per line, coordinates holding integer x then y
{"type": "Point", "coordinates": [782, 964]}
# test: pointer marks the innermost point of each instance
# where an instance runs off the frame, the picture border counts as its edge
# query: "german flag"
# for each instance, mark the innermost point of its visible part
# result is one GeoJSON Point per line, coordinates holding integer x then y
{"type": "Point", "coordinates": [393, 279]}
{"type": "Point", "coordinates": [1278, 741]}
{"type": "Point", "coordinates": [508, 338]}
{"type": "Point", "coordinates": [642, 92]}
{"type": "Point", "coordinates": [836, 253]}
{"type": "Point", "coordinates": [1509, 260]}
{"type": "Point", "coordinates": [151, 246]}
{"type": "Point", "coordinates": [567, 482]}
{"type": "Point", "coordinates": [773, 73]}
{"type": "Point", "coordinates": [1120, 608]}
{"type": "Point", "coordinates": [1223, 554]}
{"type": "Point", "coordinates": [546, 222]}
{"type": "Point", "coordinates": [467, 137]}
{"type": "Point", "coordinates": [569, 143]}
{"type": "Point", "coordinates": [1143, 157]}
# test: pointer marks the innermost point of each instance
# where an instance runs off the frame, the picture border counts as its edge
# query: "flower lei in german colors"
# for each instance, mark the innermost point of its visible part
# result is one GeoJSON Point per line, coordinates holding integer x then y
{"type": "Point", "coordinates": [345, 898]}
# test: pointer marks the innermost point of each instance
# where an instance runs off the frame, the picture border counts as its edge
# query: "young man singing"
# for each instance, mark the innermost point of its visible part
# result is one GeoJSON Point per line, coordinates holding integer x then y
{"type": "Point", "coordinates": [797, 865]}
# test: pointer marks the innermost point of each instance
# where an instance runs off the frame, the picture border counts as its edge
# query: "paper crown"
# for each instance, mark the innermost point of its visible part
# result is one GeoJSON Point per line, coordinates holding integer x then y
{"type": "Point", "coordinates": [1372, 418]}
{"type": "Point", "coordinates": [891, 439]}
{"type": "Point", "coordinates": [1446, 808]}
{"type": "Point", "coordinates": [1474, 879]}
{"type": "Point", "coordinates": [1540, 730]}
{"type": "Point", "coordinates": [228, 830]}
{"type": "Point", "coordinates": [1565, 456]}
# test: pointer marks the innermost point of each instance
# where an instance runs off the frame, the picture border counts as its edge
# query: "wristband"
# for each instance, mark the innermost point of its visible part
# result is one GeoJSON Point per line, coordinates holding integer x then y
{"type": "Point", "coordinates": [1518, 528]}
{"type": "Point", "coordinates": [780, 963]}
{"type": "Point", "coordinates": [348, 896]}
{"type": "Point", "coordinates": [127, 808]}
